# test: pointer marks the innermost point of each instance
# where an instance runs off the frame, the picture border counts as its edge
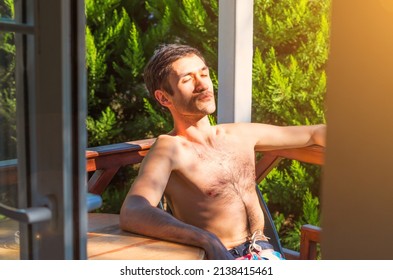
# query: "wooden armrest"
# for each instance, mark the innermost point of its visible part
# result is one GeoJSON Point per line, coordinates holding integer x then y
{"type": "Point", "coordinates": [106, 160]}
{"type": "Point", "coordinates": [313, 154]}
{"type": "Point", "coordinates": [309, 238]}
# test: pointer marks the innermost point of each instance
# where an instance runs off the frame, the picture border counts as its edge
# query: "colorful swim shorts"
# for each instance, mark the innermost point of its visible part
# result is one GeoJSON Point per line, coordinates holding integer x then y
{"type": "Point", "coordinates": [255, 249]}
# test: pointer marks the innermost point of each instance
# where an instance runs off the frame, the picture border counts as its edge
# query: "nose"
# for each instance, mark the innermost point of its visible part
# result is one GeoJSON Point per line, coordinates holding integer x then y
{"type": "Point", "coordinates": [201, 84]}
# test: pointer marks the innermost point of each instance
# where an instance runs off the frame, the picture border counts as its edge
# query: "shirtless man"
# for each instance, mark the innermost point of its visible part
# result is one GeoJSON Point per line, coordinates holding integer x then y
{"type": "Point", "coordinates": [206, 172]}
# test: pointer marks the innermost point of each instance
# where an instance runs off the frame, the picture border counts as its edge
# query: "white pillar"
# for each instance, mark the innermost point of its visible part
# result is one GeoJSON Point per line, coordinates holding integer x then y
{"type": "Point", "coordinates": [235, 51]}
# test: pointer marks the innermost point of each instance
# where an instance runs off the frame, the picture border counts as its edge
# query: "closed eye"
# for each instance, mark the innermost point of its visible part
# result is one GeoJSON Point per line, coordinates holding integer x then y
{"type": "Point", "coordinates": [185, 79]}
{"type": "Point", "coordinates": [205, 72]}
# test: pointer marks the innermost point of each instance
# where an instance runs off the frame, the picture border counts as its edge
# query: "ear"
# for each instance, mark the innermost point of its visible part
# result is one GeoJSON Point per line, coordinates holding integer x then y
{"type": "Point", "coordinates": [162, 97]}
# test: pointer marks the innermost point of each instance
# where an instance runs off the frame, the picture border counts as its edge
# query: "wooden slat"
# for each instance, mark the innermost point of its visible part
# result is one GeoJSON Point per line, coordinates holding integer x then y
{"type": "Point", "coordinates": [310, 154]}
{"type": "Point", "coordinates": [106, 160]}
{"type": "Point", "coordinates": [265, 165]}
{"type": "Point", "coordinates": [126, 147]}
{"type": "Point", "coordinates": [101, 179]}
{"type": "Point", "coordinates": [117, 155]}
{"type": "Point", "coordinates": [270, 159]}
{"type": "Point", "coordinates": [115, 160]}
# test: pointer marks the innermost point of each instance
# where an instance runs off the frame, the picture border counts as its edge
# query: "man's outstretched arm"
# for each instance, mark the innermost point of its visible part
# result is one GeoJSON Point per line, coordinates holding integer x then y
{"type": "Point", "coordinates": [270, 137]}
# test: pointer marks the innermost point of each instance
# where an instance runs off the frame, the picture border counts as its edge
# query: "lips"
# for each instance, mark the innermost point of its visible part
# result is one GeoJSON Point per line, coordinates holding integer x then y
{"type": "Point", "coordinates": [205, 96]}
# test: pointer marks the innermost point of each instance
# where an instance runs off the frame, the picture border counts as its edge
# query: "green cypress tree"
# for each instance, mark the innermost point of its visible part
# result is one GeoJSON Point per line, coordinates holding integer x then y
{"type": "Point", "coordinates": [291, 41]}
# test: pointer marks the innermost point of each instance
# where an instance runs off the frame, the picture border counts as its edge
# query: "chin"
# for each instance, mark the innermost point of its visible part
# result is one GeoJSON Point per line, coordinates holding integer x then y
{"type": "Point", "coordinates": [210, 111]}
{"type": "Point", "coordinates": [207, 108]}
{"type": "Point", "coordinates": [211, 108]}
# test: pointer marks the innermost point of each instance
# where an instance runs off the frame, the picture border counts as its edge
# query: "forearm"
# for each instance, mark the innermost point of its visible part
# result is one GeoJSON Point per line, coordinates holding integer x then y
{"type": "Point", "coordinates": [138, 216]}
{"type": "Point", "coordinates": [319, 135]}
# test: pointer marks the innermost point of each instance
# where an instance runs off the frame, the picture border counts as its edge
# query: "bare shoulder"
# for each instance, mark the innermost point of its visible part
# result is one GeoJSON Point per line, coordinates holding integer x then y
{"type": "Point", "coordinates": [165, 139]}
{"type": "Point", "coordinates": [167, 148]}
{"type": "Point", "coordinates": [165, 144]}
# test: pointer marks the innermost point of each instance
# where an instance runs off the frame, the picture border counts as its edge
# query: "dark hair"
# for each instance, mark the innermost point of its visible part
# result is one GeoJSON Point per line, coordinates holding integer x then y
{"type": "Point", "coordinates": [159, 66]}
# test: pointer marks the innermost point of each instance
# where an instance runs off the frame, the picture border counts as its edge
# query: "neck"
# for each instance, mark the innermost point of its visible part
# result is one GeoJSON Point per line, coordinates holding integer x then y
{"type": "Point", "coordinates": [199, 131]}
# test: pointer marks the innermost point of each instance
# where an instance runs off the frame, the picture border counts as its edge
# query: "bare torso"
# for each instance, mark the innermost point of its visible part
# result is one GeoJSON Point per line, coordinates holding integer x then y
{"type": "Point", "coordinates": [214, 188]}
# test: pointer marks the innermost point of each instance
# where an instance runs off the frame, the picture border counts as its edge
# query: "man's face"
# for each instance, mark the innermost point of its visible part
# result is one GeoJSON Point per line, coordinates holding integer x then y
{"type": "Point", "coordinates": [192, 87]}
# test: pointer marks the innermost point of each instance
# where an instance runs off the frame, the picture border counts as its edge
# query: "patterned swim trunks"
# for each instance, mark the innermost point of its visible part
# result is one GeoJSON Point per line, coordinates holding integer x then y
{"type": "Point", "coordinates": [255, 249]}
